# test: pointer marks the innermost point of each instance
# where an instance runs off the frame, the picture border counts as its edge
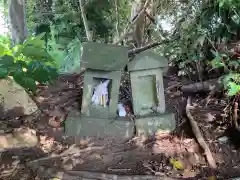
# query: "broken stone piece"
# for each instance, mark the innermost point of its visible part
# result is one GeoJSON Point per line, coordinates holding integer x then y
{"type": "Point", "coordinates": [15, 101]}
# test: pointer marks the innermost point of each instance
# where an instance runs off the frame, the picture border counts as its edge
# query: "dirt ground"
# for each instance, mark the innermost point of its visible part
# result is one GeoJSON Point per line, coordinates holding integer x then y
{"type": "Point", "coordinates": [176, 155]}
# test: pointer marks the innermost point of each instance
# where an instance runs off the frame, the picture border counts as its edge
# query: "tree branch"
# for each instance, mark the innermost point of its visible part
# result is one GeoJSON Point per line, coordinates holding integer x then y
{"type": "Point", "coordinates": [144, 48]}
{"type": "Point", "coordinates": [151, 18]}
{"type": "Point", "coordinates": [134, 20]}
{"type": "Point", "coordinates": [84, 17]}
{"type": "Point", "coordinates": [199, 137]}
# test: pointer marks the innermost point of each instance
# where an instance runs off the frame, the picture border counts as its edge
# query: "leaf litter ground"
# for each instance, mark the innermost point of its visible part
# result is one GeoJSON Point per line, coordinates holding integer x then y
{"type": "Point", "coordinates": [176, 155]}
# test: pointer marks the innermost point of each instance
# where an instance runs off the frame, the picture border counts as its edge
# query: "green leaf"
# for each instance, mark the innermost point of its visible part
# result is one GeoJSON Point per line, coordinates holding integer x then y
{"type": "Point", "coordinates": [18, 73]}
{"type": "Point", "coordinates": [234, 63]}
{"type": "Point", "coordinates": [230, 78]}
{"type": "Point", "coordinates": [41, 72]}
{"type": "Point", "coordinates": [2, 49]}
{"type": "Point", "coordinates": [3, 72]}
{"type": "Point", "coordinates": [221, 4]}
{"type": "Point", "coordinates": [40, 36]}
{"type": "Point", "coordinates": [6, 61]}
{"type": "Point", "coordinates": [236, 19]}
{"type": "Point", "coordinates": [214, 53]}
{"type": "Point", "coordinates": [216, 62]}
{"type": "Point", "coordinates": [37, 53]}
{"type": "Point", "coordinates": [17, 50]}
{"type": "Point", "coordinates": [233, 88]}
{"type": "Point", "coordinates": [35, 41]}
{"type": "Point", "coordinates": [201, 39]}
{"type": "Point", "coordinates": [26, 82]}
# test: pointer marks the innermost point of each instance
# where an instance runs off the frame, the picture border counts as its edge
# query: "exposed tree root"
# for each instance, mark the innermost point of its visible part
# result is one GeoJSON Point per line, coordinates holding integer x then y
{"type": "Point", "coordinates": [199, 137]}
{"type": "Point", "coordinates": [235, 116]}
{"type": "Point", "coordinates": [234, 112]}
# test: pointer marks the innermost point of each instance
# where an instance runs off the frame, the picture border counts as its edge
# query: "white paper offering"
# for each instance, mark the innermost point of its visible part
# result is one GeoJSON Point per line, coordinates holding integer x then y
{"type": "Point", "coordinates": [121, 110]}
{"type": "Point", "coordinates": [100, 95]}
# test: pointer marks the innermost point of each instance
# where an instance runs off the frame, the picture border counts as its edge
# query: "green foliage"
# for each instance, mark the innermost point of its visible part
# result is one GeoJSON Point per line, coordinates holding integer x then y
{"type": "Point", "coordinates": [201, 37]}
{"type": "Point", "coordinates": [64, 29]}
{"type": "Point", "coordinates": [231, 81]}
{"type": "Point", "coordinates": [226, 4]}
{"type": "Point", "coordinates": [72, 59]}
{"type": "Point", "coordinates": [67, 19]}
{"type": "Point", "coordinates": [28, 63]}
{"type": "Point", "coordinates": [67, 59]}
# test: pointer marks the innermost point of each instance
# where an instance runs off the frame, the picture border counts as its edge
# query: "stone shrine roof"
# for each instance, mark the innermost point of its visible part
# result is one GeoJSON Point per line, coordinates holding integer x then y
{"type": "Point", "coordinates": [106, 57]}
{"type": "Point", "coordinates": [147, 60]}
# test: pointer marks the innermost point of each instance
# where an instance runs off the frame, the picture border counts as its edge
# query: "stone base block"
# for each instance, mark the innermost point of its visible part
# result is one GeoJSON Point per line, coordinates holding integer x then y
{"type": "Point", "coordinates": [151, 124]}
{"type": "Point", "coordinates": [79, 125]}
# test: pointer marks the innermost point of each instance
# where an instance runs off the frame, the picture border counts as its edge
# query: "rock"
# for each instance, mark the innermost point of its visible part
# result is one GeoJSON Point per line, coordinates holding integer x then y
{"type": "Point", "coordinates": [19, 138]}
{"type": "Point", "coordinates": [14, 100]}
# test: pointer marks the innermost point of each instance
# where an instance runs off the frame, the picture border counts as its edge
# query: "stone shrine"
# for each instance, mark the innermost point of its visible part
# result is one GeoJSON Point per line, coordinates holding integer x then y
{"type": "Point", "coordinates": [146, 74]}
{"type": "Point", "coordinates": [104, 65]}
{"type": "Point", "coordinates": [102, 62]}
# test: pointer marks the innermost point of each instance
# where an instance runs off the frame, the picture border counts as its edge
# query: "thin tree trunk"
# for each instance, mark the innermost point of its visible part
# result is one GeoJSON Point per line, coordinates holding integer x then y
{"type": "Point", "coordinates": [117, 19]}
{"type": "Point", "coordinates": [17, 20]}
{"type": "Point", "coordinates": [84, 17]}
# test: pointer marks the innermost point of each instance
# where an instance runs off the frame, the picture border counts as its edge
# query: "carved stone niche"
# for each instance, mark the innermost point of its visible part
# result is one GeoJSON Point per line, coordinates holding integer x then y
{"type": "Point", "coordinates": [146, 73]}
{"type": "Point", "coordinates": [101, 62]}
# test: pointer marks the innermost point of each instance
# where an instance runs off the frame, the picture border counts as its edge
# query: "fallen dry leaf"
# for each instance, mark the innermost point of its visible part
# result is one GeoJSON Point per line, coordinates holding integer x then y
{"type": "Point", "coordinates": [212, 178]}
{"type": "Point", "coordinates": [210, 117]}
{"type": "Point", "coordinates": [54, 122]}
{"type": "Point", "coordinates": [188, 174]}
{"type": "Point", "coordinates": [40, 99]}
{"type": "Point", "coordinates": [162, 133]}
{"type": "Point", "coordinates": [177, 164]}
{"type": "Point", "coordinates": [56, 112]}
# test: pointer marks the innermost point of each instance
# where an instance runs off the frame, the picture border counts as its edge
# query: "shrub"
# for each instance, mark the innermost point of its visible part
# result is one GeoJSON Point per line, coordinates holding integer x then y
{"type": "Point", "coordinates": [28, 63]}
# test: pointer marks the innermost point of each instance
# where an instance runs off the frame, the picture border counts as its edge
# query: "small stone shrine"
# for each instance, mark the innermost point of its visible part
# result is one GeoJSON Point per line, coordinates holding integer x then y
{"type": "Point", "coordinates": [104, 65]}
{"type": "Point", "coordinates": [146, 73]}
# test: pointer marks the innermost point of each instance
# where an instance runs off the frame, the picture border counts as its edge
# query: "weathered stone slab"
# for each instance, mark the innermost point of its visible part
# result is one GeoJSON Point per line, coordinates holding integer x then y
{"type": "Point", "coordinates": [79, 125]}
{"type": "Point", "coordinates": [151, 124]}
{"type": "Point", "coordinates": [147, 91]}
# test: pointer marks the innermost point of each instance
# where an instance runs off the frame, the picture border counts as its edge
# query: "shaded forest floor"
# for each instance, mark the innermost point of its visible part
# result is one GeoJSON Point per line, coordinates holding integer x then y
{"type": "Point", "coordinates": [59, 156]}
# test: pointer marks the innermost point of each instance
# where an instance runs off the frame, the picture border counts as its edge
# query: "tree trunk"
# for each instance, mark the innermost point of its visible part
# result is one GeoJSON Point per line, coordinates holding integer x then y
{"type": "Point", "coordinates": [17, 20]}
{"type": "Point", "coordinates": [85, 22]}
{"type": "Point", "coordinates": [139, 26]}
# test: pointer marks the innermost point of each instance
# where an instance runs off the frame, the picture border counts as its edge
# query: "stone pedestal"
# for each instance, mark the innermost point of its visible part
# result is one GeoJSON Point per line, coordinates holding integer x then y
{"type": "Point", "coordinates": [85, 126]}
{"type": "Point", "coordinates": [149, 125]}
